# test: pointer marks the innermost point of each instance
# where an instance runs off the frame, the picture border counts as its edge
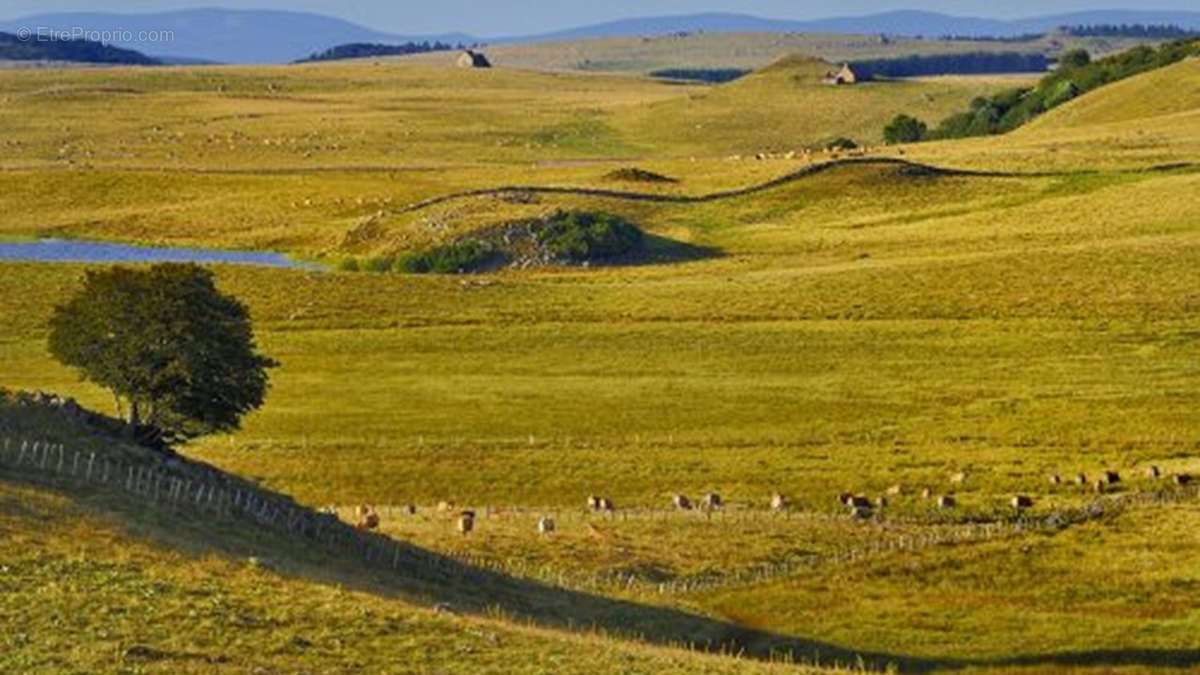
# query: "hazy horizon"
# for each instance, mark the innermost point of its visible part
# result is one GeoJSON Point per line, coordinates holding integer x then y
{"type": "Point", "coordinates": [513, 17]}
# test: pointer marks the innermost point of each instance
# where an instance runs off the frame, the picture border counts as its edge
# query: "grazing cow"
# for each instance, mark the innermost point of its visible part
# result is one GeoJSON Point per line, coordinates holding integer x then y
{"type": "Point", "coordinates": [778, 502]}
{"type": "Point", "coordinates": [1081, 479]}
{"type": "Point", "coordinates": [926, 493]}
{"type": "Point", "coordinates": [711, 501]}
{"type": "Point", "coordinates": [466, 522]}
{"type": "Point", "coordinates": [545, 526]}
{"type": "Point", "coordinates": [1022, 502]}
{"type": "Point", "coordinates": [1112, 477]}
{"type": "Point", "coordinates": [1098, 486]}
{"type": "Point", "coordinates": [368, 519]}
{"type": "Point", "coordinates": [881, 502]}
{"type": "Point", "coordinates": [681, 502]}
{"type": "Point", "coordinates": [959, 478]}
{"type": "Point", "coordinates": [896, 490]}
{"type": "Point", "coordinates": [593, 503]}
{"type": "Point", "coordinates": [1182, 478]}
{"type": "Point", "coordinates": [409, 509]}
{"type": "Point", "coordinates": [1154, 472]}
{"type": "Point", "coordinates": [946, 502]}
{"type": "Point", "coordinates": [1055, 479]}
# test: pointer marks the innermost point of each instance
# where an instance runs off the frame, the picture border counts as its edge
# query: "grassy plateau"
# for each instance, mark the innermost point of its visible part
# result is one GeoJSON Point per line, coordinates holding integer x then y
{"type": "Point", "coordinates": [864, 325]}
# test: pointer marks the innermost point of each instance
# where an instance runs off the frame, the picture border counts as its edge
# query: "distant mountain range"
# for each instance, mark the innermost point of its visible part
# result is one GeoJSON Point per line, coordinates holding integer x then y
{"type": "Point", "coordinates": [906, 22]}
{"type": "Point", "coordinates": [262, 36]}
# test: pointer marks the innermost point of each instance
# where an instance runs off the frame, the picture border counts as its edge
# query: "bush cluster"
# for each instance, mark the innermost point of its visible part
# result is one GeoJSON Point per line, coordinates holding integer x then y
{"type": "Point", "coordinates": [448, 259]}
{"type": "Point", "coordinates": [585, 235]}
{"type": "Point", "coordinates": [1077, 74]}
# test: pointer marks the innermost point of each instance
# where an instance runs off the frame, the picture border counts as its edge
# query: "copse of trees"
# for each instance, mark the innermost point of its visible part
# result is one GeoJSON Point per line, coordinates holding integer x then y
{"type": "Point", "coordinates": [358, 50]}
{"type": "Point", "coordinates": [710, 75]}
{"type": "Point", "coordinates": [1026, 37]}
{"type": "Point", "coordinates": [946, 64]}
{"type": "Point", "coordinates": [178, 355]}
{"type": "Point", "coordinates": [12, 48]}
{"type": "Point", "coordinates": [1135, 30]}
{"type": "Point", "coordinates": [1076, 74]}
{"type": "Point", "coordinates": [904, 129]}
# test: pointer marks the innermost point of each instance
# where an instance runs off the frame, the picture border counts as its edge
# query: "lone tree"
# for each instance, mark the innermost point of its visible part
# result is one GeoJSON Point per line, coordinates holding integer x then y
{"type": "Point", "coordinates": [178, 355]}
{"type": "Point", "coordinates": [904, 129]}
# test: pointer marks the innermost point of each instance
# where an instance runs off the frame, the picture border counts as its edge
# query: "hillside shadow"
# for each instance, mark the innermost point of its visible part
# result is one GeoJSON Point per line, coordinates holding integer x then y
{"type": "Point", "coordinates": [425, 577]}
{"type": "Point", "coordinates": [659, 250]}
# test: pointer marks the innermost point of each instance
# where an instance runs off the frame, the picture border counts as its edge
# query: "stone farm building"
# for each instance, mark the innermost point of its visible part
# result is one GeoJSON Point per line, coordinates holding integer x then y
{"type": "Point", "coordinates": [473, 59]}
{"type": "Point", "coordinates": [845, 75]}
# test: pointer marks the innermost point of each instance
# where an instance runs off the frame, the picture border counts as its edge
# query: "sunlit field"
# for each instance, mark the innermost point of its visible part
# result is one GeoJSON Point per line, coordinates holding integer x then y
{"type": "Point", "coordinates": [873, 328]}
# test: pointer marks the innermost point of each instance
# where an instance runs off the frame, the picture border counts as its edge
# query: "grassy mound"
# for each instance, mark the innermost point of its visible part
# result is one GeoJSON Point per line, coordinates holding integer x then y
{"type": "Point", "coordinates": [562, 238]}
{"type": "Point", "coordinates": [636, 175]}
{"type": "Point", "coordinates": [584, 236]}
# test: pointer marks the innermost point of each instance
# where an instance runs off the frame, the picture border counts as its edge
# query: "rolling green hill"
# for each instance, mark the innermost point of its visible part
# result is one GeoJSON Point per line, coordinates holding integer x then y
{"type": "Point", "coordinates": [874, 327]}
{"type": "Point", "coordinates": [1173, 90]}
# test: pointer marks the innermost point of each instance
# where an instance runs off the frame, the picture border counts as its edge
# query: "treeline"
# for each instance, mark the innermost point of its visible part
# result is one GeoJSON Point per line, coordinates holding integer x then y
{"type": "Point", "coordinates": [358, 50]}
{"type": "Point", "coordinates": [713, 75]}
{"type": "Point", "coordinates": [1027, 37]}
{"type": "Point", "coordinates": [958, 64]}
{"type": "Point", "coordinates": [13, 48]}
{"type": "Point", "coordinates": [1076, 74]}
{"type": "Point", "coordinates": [1136, 30]}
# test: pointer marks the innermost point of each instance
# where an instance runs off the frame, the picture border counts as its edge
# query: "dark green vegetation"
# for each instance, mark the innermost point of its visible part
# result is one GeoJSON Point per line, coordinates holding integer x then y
{"type": "Point", "coordinates": [1136, 30]}
{"type": "Point", "coordinates": [562, 238]}
{"type": "Point", "coordinates": [1077, 74]}
{"type": "Point", "coordinates": [358, 50]}
{"type": "Point", "coordinates": [904, 129]}
{"type": "Point", "coordinates": [636, 175]}
{"type": "Point", "coordinates": [582, 236]}
{"type": "Point", "coordinates": [462, 256]}
{"type": "Point", "coordinates": [711, 75]}
{"type": "Point", "coordinates": [970, 63]}
{"type": "Point", "coordinates": [13, 48]}
{"type": "Point", "coordinates": [166, 343]}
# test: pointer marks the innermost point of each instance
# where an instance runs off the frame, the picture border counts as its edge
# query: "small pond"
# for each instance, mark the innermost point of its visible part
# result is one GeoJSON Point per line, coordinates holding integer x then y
{"type": "Point", "coordinates": [71, 251]}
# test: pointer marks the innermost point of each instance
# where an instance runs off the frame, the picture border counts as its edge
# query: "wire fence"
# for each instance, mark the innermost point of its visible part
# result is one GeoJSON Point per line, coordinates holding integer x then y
{"type": "Point", "coordinates": [185, 486]}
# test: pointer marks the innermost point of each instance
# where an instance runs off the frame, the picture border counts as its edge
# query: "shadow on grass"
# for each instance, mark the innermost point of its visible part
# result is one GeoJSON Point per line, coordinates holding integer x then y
{"type": "Point", "coordinates": [656, 250]}
{"type": "Point", "coordinates": [423, 577]}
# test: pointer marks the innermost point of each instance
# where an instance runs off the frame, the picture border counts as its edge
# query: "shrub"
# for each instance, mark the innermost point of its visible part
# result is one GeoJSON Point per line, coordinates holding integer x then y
{"type": "Point", "coordinates": [1075, 58]}
{"type": "Point", "coordinates": [584, 235]}
{"type": "Point", "coordinates": [349, 265]}
{"type": "Point", "coordinates": [904, 129]}
{"type": "Point", "coordinates": [841, 143]}
{"type": "Point", "coordinates": [378, 264]}
{"type": "Point", "coordinates": [459, 256]}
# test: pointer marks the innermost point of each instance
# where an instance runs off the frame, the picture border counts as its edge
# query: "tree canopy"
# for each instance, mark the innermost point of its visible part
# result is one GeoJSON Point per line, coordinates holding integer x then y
{"type": "Point", "coordinates": [178, 355]}
{"type": "Point", "coordinates": [904, 129]}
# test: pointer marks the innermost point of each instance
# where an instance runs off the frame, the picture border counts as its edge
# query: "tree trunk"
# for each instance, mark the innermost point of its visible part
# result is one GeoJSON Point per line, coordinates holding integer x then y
{"type": "Point", "coordinates": [135, 419]}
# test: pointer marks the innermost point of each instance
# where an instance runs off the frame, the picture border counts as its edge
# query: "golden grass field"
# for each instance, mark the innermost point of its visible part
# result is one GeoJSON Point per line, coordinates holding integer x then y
{"type": "Point", "coordinates": [857, 328]}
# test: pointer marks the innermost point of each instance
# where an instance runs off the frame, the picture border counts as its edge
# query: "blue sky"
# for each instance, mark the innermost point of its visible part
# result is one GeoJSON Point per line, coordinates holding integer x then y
{"type": "Point", "coordinates": [504, 17]}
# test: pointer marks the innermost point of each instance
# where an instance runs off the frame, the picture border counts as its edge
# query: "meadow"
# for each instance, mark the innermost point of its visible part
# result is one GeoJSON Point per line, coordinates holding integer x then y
{"type": "Point", "coordinates": [862, 327]}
